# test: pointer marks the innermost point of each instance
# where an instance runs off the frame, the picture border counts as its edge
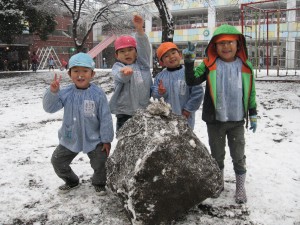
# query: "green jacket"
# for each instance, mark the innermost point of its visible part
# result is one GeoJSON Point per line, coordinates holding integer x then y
{"type": "Point", "coordinates": [206, 71]}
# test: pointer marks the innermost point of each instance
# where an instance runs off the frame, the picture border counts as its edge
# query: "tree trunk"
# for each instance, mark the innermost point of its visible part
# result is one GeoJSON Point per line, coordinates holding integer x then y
{"type": "Point", "coordinates": [167, 30]}
{"type": "Point", "coordinates": [167, 21]}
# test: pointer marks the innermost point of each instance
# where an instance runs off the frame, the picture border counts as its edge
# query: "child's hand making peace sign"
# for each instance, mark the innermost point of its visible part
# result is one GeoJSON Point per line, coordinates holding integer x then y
{"type": "Point", "coordinates": [161, 88]}
{"type": "Point", "coordinates": [54, 86]}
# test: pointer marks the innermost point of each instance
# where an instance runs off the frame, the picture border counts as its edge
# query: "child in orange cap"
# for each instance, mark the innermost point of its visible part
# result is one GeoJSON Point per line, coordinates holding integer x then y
{"type": "Point", "coordinates": [229, 98]}
{"type": "Point", "coordinates": [170, 84]}
{"type": "Point", "coordinates": [132, 75]}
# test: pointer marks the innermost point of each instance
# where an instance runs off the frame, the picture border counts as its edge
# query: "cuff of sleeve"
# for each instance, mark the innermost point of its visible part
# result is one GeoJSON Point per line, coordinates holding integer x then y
{"type": "Point", "coordinates": [252, 112]}
{"type": "Point", "coordinates": [53, 93]}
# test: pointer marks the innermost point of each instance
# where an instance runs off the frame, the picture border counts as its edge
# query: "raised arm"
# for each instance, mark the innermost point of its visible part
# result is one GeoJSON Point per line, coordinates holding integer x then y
{"type": "Point", "coordinates": [138, 23]}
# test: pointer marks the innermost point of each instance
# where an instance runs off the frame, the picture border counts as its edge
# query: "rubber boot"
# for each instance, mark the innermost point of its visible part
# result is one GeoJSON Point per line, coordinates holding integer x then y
{"type": "Point", "coordinates": [216, 195]}
{"type": "Point", "coordinates": [240, 193]}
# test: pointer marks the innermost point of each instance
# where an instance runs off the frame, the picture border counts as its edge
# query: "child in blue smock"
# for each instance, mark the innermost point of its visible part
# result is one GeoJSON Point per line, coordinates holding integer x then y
{"type": "Point", "coordinates": [51, 63]}
{"type": "Point", "coordinates": [87, 123]}
{"type": "Point", "coordinates": [170, 84]}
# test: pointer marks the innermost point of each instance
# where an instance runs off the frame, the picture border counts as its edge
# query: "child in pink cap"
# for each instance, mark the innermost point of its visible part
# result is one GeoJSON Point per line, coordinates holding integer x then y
{"type": "Point", "coordinates": [132, 75]}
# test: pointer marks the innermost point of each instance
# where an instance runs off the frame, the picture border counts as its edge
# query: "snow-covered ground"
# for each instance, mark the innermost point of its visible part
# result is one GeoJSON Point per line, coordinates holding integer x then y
{"type": "Point", "coordinates": [28, 184]}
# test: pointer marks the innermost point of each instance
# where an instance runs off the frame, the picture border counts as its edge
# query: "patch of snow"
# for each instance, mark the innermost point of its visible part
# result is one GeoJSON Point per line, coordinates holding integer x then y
{"type": "Point", "coordinates": [192, 143]}
{"type": "Point", "coordinates": [28, 184]}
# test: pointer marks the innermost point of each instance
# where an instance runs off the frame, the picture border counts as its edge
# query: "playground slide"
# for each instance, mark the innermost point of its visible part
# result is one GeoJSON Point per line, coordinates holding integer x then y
{"type": "Point", "coordinates": [102, 45]}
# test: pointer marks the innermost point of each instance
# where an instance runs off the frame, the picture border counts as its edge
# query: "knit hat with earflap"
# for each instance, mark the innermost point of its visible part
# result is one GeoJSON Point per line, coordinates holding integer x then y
{"type": "Point", "coordinates": [82, 59]}
{"type": "Point", "coordinates": [124, 41]}
{"type": "Point", "coordinates": [164, 47]}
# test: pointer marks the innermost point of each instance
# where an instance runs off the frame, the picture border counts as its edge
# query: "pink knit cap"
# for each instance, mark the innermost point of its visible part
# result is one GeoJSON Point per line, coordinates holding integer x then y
{"type": "Point", "coordinates": [125, 41]}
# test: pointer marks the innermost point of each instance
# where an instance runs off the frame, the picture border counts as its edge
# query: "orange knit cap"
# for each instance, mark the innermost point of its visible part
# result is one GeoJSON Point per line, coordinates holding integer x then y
{"type": "Point", "coordinates": [164, 47]}
{"type": "Point", "coordinates": [226, 37]}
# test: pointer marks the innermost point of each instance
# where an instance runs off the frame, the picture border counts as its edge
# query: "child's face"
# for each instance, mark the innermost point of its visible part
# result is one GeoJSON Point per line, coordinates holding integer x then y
{"type": "Point", "coordinates": [171, 59]}
{"type": "Point", "coordinates": [81, 76]}
{"type": "Point", "coordinates": [227, 50]}
{"type": "Point", "coordinates": [126, 55]}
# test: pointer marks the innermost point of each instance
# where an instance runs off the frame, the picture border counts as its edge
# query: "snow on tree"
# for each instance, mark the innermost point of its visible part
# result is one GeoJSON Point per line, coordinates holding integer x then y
{"type": "Point", "coordinates": [10, 21]}
{"type": "Point", "coordinates": [19, 15]}
{"type": "Point", "coordinates": [167, 20]}
{"type": "Point", "coordinates": [87, 13]}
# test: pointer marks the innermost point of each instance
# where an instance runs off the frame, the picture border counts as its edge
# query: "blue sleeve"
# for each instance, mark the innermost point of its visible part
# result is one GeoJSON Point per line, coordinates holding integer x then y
{"type": "Point", "coordinates": [106, 124]}
{"type": "Point", "coordinates": [143, 50]}
{"type": "Point", "coordinates": [51, 101]}
{"type": "Point", "coordinates": [118, 76]}
{"type": "Point", "coordinates": [196, 98]}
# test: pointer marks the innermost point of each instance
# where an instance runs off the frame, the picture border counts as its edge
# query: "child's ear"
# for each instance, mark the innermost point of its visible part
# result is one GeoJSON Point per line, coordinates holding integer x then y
{"type": "Point", "coordinates": [161, 63]}
{"type": "Point", "coordinates": [93, 74]}
{"type": "Point", "coordinates": [69, 72]}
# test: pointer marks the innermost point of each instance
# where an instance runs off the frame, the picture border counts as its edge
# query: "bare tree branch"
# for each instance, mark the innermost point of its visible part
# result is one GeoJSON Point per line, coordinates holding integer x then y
{"type": "Point", "coordinates": [106, 12]}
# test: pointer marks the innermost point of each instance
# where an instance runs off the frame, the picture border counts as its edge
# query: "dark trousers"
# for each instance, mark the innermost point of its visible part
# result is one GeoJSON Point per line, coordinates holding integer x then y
{"type": "Point", "coordinates": [234, 131]}
{"type": "Point", "coordinates": [121, 119]}
{"type": "Point", "coordinates": [34, 67]}
{"type": "Point", "coordinates": [62, 158]}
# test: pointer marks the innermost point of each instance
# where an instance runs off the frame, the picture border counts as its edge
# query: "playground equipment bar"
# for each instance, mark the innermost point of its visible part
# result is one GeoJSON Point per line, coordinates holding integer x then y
{"type": "Point", "coordinates": [248, 5]}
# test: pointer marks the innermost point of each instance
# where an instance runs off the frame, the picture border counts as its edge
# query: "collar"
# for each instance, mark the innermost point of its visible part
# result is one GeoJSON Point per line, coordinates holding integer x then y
{"type": "Point", "coordinates": [174, 69]}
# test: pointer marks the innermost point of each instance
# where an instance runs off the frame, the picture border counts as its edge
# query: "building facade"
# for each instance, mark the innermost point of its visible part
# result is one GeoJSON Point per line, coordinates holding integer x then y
{"type": "Point", "coordinates": [271, 27]}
